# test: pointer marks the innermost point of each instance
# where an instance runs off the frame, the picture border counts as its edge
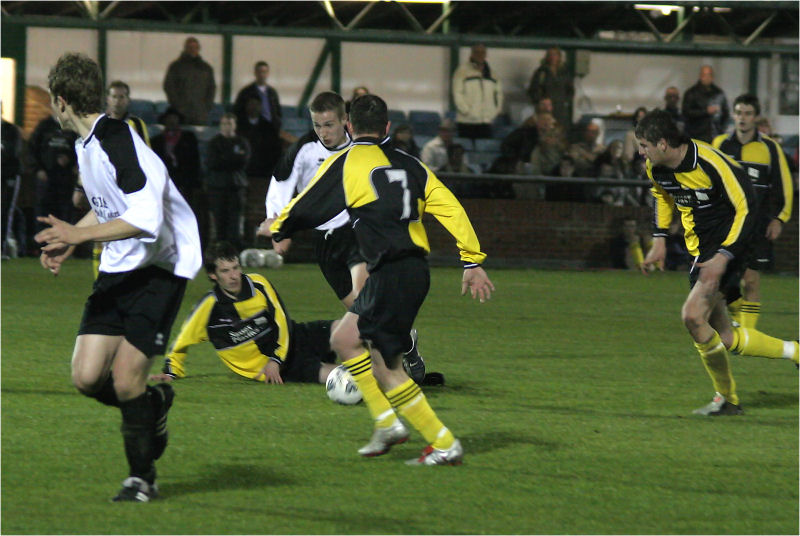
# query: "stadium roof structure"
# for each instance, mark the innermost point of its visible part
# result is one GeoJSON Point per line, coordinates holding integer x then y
{"type": "Point", "coordinates": [736, 22]}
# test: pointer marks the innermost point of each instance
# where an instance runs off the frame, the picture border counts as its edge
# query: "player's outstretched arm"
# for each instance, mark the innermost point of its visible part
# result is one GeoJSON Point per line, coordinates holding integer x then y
{"type": "Point", "coordinates": [478, 283]}
{"type": "Point", "coordinates": [656, 256]}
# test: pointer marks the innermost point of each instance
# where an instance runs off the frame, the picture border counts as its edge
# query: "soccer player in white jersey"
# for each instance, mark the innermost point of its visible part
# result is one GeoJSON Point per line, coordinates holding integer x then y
{"type": "Point", "coordinates": [152, 248]}
{"type": "Point", "coordinates": [335, 245]}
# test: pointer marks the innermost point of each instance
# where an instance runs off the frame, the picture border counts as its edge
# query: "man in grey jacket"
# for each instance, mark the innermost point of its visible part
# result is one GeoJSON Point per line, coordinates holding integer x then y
{"type": "Point", "coordinates": [189, 84]}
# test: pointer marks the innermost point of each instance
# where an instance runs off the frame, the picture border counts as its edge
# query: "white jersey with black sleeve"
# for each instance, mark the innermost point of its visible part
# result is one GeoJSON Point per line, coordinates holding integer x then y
{"type": "Point", "coordinates": [123, 178]}
{"type": "Point", "coordinates": [296, 169]}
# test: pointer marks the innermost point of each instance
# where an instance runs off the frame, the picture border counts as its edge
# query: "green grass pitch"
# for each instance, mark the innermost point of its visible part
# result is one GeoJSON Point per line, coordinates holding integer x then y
{"type": "Point", "coordinates": [572, 393]}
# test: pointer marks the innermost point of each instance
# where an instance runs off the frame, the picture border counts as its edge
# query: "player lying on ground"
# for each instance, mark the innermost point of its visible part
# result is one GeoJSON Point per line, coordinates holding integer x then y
{"type": "Point", "coordinates": [245, 320]}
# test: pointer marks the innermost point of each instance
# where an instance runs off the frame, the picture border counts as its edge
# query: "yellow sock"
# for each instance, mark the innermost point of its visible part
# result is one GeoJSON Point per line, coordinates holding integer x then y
{"type": "Point", "coordinates": [756, 343]}
{"type": "Point", "coordinates": [360, 367]}
{"type": "Point", "coordinates": [715, 359]}
{"type": "Point", "coordinates": [735, 311]}
{"type": "Point", "coordinates": [410, 401]}
{"type": "Point", "coordinates": [749, 314]}
{"type": "Point", "coordinates": [96, 251]}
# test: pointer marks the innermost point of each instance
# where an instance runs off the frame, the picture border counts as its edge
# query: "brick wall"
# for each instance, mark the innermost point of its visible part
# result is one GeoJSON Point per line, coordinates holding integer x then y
{"type": "Point", "coordinates": [537, 233]}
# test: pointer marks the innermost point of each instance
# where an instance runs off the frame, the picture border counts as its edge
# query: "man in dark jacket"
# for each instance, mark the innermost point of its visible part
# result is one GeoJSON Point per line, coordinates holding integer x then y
{"type": "Point", "coordinates": [266, 94]}
{"type": "Point", "coordinates": [226, 159]}
{"type": "Point", "coordinates": [705, 108]}
{"type": "Point", "coordinates": [179, 150]}
{"type": "Point", "coordinates": [265, 145]}
{"type": "Point", "coordinates": [552, 80]}
{"type": "Point", "coordinates": [53, 151]}
{"type": "Point", "coordinates": [189, 84]}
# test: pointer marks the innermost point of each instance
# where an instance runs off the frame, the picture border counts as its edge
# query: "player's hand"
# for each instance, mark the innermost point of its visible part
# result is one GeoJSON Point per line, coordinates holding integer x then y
{"type": "Point", "coordinates": [60, 233]}
{"type": "Point", "coordinates": [263, 228]}
{"type": "Point", "coordinates": [271, 373]}
{"type": "Point", "coordinates": [282, 247]}
{"type": "Point", "coordinates": [478, 283]}
{"type": "Point", "coordinates": [161, 378]}
{"type": "Point", "coordinates": [55, 257]}
{"type": "Point", "coordinates": [774, 229]}
{"type": "Point", "coordinates": [656, 256]}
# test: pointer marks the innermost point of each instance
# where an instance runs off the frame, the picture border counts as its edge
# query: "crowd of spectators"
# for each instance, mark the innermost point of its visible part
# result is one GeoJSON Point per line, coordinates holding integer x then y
{"type": "Point", "coordinates": [213, 172]}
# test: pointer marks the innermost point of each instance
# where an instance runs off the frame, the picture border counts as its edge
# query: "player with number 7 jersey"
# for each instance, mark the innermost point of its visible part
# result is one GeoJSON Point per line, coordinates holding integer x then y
{"type": "Point", "coordinates": [386, 192]}
{"type": "Point", "coordinates": [371, 179]}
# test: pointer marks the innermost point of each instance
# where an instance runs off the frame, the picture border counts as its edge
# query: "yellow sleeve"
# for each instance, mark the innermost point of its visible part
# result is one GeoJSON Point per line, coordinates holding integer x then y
{"type": "Point", "coordinates": [716, 143]}
{"type": "Point", "coordinates": [193, 331]}
{"type": "Point", "coordinates": [782, 182]}
{"type": "Point", "coordinates": [275, 306]}
{"type": "Point", "coordinates": [441, 203]}
{"type": "Point", "coordinates": [664, 206]}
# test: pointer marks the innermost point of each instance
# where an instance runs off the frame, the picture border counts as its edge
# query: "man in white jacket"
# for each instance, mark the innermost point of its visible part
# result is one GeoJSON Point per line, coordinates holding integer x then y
{"type": "Point", "coordinates": [477, 95]}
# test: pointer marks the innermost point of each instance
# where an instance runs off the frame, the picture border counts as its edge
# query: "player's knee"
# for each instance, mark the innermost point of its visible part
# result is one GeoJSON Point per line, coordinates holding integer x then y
{"type": "Point", "coordinates": [691, 317]}
{"type": "Point", "coordinates": [86, 384]}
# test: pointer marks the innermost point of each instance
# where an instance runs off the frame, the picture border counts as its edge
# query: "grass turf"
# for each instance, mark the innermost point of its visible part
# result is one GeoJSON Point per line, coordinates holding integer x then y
{"type": "Point", "coordinates": [571, 392]}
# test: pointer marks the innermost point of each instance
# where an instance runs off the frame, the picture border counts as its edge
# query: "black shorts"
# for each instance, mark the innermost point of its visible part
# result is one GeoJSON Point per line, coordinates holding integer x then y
{"type": "Point", "coordinates": [389, 303]}
{"type": "Point", "coordinates": [729, 283]}
{"type": "Point", "coordinates": [762, 255]}
{"type": "Point", "coordinates": [140, 305]}
{"type": "Point", "coordinates": [310, 347]}
{"type": "Point", "coordinates": [337, 251]}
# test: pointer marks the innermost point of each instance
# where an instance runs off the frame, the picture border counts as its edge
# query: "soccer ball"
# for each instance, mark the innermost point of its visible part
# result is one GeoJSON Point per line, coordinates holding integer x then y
{"type": "Point", "coordinates": [341, 387]}
{"type": "Point", "coordinates": [260, 258]}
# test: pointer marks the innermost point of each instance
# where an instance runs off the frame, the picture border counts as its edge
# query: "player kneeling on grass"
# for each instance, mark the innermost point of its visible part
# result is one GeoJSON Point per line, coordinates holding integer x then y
{"type": "Point", "coordinates": [151, 248]}
{"type": "Point", "coordinates": [245, 320]}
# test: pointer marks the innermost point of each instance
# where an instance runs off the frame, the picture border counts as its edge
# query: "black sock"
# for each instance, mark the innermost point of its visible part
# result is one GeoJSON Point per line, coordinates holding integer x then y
{"type": "Point", "coordinates": [137, 433]}
{"type": "Point", "coordinates": [106, 393]}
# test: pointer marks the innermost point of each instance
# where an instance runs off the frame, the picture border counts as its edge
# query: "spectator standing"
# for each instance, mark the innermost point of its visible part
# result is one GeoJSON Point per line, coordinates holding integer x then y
{"type": "Point", "coordinates": [705, 108]}
{"type": "Point", "coordinates": [586, 151]}
{"type": "Point", "coordinates": [672, 96]}
{"type": "Point", "coordinates": [265, 145]}
{"type": "Point", "coordinates": [179, 151]}
{"type": "Point", "coordinates": [477, 95]}
{"type": "Point", "coordinates": [434, 153]}
{"type": "Point", "coordinates": [226, 159]}
{"type": "Point", "coordinates": [189, 84]}
{"type": "Point", "coordinates": [53, 151]}
{"type": "Point", "coordinates": [270, 104]}
{"type": "Point", "coordinates": [553, 80]}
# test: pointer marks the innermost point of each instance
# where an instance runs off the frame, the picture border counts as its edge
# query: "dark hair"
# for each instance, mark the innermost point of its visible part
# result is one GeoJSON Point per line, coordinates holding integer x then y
{"type": "Point", "coordinates": [261, 63]}
{"type": "Point", "coordinates": [171, 111]}
{"type": "Point", "coordinates": [120, 84]}
{"type": "Point", "coordinates": [77, 79]}
{"type": "Point", "coordinates": [748, 99]}
{"type": "Point", "coordinates": [368, 114]}
{"type": "Point", "coordinates": [219, 251]}
{"type": "Point", "coordinates": [328, 101]}
{"type": "Point", "coordinates": [658, 124]}
{"type": "Point", "coordinates": [636, 113]}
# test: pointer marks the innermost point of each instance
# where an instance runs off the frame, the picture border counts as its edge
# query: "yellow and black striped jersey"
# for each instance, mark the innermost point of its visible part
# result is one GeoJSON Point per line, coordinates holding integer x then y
{"type": "Point", "coordinates": [246, 332]}
{"type": "Point", "coordinates": [765, 164]}
{"type": "Point", "coordinates": [714, 197]}
{"type": "Point", "coordinates": [386, 192]}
